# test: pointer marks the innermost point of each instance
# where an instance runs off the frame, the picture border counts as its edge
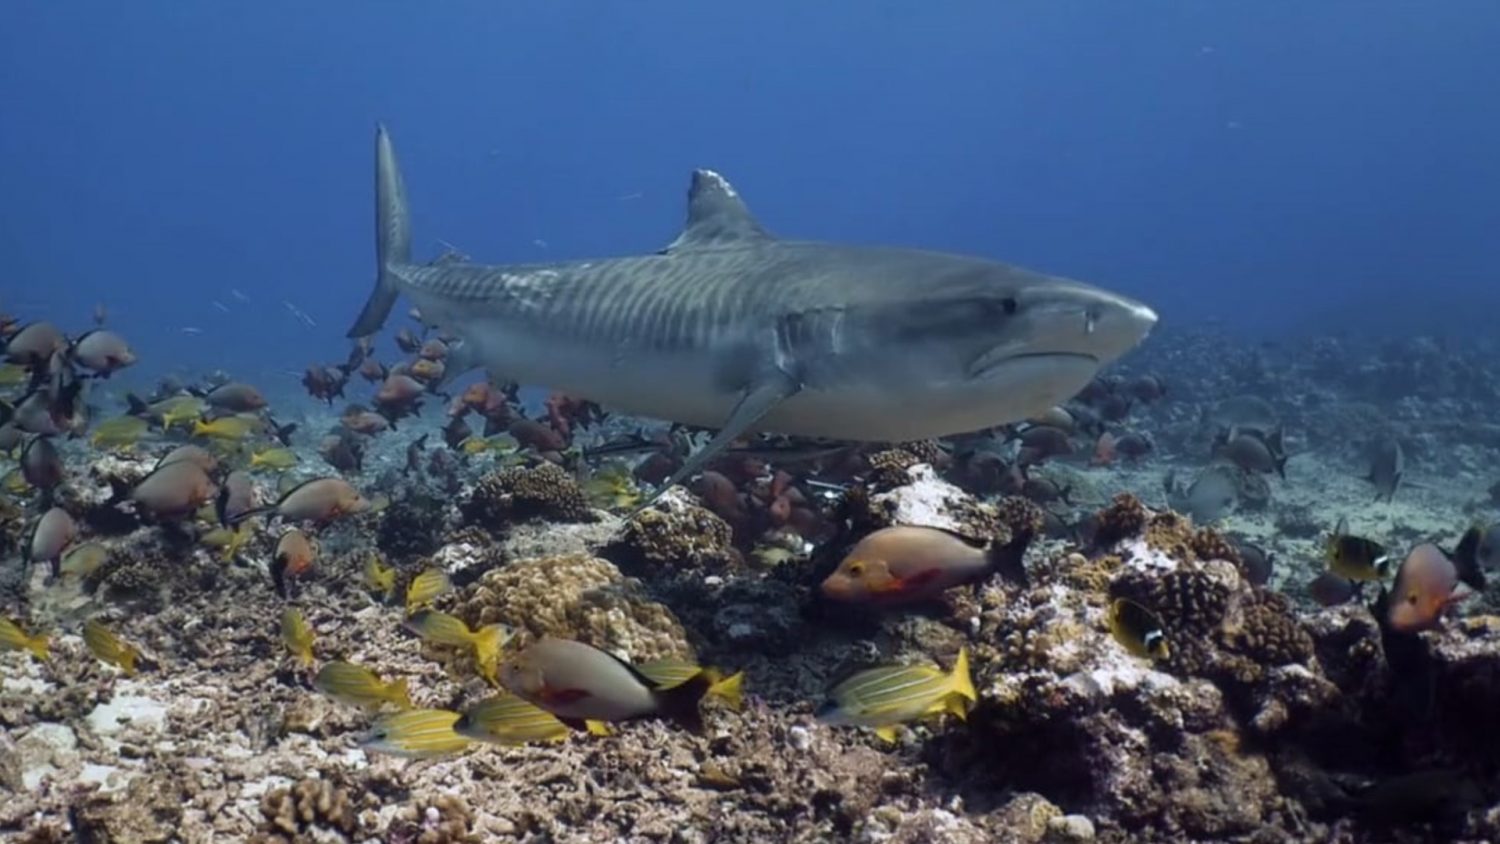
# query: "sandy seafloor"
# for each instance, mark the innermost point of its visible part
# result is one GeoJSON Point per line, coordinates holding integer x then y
{"type": "Point", "coordinates": [220, 737]}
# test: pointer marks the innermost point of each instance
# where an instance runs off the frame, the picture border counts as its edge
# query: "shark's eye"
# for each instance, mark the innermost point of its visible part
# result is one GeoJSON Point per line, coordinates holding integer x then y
{"type": "Point", "coordinates": [1008, 304]}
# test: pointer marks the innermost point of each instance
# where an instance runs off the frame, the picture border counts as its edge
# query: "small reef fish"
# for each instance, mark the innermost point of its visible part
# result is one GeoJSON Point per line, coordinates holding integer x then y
{"type": "Point", "coordinates": [907, 564]}
{"type": "Point", "coordinates": [1387, 468]}
{"type": "Point", "coordinates": [294, 558]}
{"type": "Point", "coordinates": [884, 698]}
{"type": "Point", "coordinates": [1355, 557]}
{"type": "Point", "coordinates": [612, 487]}
{"type": "Point", "coordinates": [41, 465]}
{"type": "Point", "coordinates": [425, 587]}
{"type": "Point", "coordinates": [236, 397]}
{"type": "Point", "coordinates": [35, 344]}
{"type": "Point", "coordinates": [440, 628]}
{"type": "Point", "coordinates": [671, 673]}
{"type": "Point", "coordinates": [229, 541]}
{"type": "Point", "coordinates": [579, 683]}
{"type": "Point", "coordinates": [175, 490]}
{"type": "Point", "coordinates": [83, 560]}
{"type": "Point", "coordinates": [102, 351]}
{"type": "Point", "coordinates": [297, 636]}
{"type": "Point", "coordinates": [501, 444]}
{"type": "Point", "coordinates": [275, 459]}
{"type": "Point", "coordinates": [507, 719]}
{"type": "Point", "coordinates": [356, 685]}
{"type": "Point", "coordinates": [193, 454]}
{"type": "Point", "coordinates": [13, 638]}
{"type": "Point", "coordinates": [380, 577]}
{"type": "Point", "coordinates": [1253, 451]}
{"type": "Point", "coordinates": [1138, 629]}
{"type": "Point", "coordinates": [110, 648]}
{"type": "Point", "coordinates": [319, 500]}
{"type": "Point", "coordinates": [416, 734]}
{"type": "Point", "coordinates": [51, 535]}
{"type": "Point", "coordinates": [228, 428]}
{"type": "Point", "coordinates": [120, 432]}
{"type": "Point", "coordinates": [236, 497]}
{"type": "Point", "coordinates": [1330, 589]}
{"type": "Point", "coordinates": [1424, 588]}
{"type": "Point", "coordinates": [170, 411]}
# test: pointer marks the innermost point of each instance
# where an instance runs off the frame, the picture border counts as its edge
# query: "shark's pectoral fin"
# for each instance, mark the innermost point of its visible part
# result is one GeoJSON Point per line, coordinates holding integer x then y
{"type": "Point", "coordinates": [752, 407]}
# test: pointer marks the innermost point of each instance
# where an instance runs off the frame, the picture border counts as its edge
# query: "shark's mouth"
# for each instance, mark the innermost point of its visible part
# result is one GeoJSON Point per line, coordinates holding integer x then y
{"type": "Point", "coordinates": [1001, 356]}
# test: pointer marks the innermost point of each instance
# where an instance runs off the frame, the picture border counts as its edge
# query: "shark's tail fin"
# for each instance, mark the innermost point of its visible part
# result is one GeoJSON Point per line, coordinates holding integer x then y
{"type": "Point", "coordinates": [392, 237]}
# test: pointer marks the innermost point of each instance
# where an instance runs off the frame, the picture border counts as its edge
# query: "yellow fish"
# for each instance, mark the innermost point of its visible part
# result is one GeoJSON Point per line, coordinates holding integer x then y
{"type": "Point", "coordinates": [443, 629]}
{"type": "Point", "coordinates": [416, 734]}
{"type": "Point", "coordinates": [380, 577]}
{"type": "Point", "coordinates": [105, 645]}
{"type": "Point", "coordinates": [83, 560]}
{"type": "Point", "coordinates": [297, 636]}
{"type": "Point", "coordinates": [275, 459]}
{"type": "Point", "coordinates": [227, 428]}
{"type": "Point", "coordinates": [507, 719]}
{"type": "Point", "coordinates": [120, 432]}
{"type": "Point", "coordinates": [178, 409]}
{"type": "Point", "coordinates": [883, 698]}
{"type": "Point", "coordinates": [499, 443]}
{"type": "Point", "coordinates": [356, 685]}
{"type": "Point", "coordinates": [13, 638]}
{"type": "Point", "coordinates": [612, 487]}
{"type": "Point", "coordinates": [229, 542]}
{"type": "Point", "coordinates": [15, 482]}
{"type": "Point", "coordinates": [671, 673]}
{"type": "Point", "coordinates": [425, 587]}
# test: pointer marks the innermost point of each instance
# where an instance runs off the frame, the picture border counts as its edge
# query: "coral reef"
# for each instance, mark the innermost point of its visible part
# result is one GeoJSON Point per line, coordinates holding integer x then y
{"type": "Point", "coordinates": [524, 492]}
{"type": "Point", "coordinates": [676, 533]}
{"type": "Point", "coordinates": [578, 597]}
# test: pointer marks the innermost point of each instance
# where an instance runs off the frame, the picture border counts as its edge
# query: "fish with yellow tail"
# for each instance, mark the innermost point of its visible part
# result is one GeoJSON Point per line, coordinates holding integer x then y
{"type": "Point", "coordinates": [110, 648]}
{"type": "Point", "coordinates": [580, 683]}
{"type": "Point", "coordinates": [440, 628]}
{"type": "Point", "coordinates": [426, 587]}
{"type": "Point", "coordinates": [380, 578]}
{"type": "Point", "coordinates": [886, 697]}
{"type": "Point", "coordinates": [416, 734]}
{"type": "Point", "coordinates": [357, 685]}
{"type": "Point", "coordinates": [671, 673]}
{"type": "Point", "coordinates": [13, 638]}
{"type": "Point", "coordinates": [297, 636]}
{"type": "Point", "coordinates": [507, 719]}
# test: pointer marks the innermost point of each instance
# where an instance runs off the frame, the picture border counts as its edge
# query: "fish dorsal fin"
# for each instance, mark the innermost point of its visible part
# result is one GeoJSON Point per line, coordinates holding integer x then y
{"type": "Point", "coordinates": [716, 216]}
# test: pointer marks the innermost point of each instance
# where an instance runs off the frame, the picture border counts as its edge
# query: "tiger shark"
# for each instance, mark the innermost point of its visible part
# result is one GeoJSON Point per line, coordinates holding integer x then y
{"type": "Point", "coordinates": [731, 327]}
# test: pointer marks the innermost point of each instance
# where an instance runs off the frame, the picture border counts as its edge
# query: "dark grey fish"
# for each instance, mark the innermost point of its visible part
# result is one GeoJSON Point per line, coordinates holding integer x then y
{"type": "Point", "coordinates": [1387, 467]}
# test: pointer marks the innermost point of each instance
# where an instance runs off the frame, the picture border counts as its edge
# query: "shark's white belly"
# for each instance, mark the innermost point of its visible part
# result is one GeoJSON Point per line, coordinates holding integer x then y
{"type": "Point", "coordinates": [684, 387]}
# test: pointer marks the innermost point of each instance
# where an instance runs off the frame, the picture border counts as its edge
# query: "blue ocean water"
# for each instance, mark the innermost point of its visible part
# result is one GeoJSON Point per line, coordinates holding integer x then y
{"type": "Point", "coordinates": [1275, 166]}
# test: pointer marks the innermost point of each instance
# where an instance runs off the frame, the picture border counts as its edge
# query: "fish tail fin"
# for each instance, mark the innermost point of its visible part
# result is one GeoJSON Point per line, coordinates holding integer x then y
{"type": "Point", "coordinates": [136, 405]}
{"type": "Point", "coordinates": [392, 237]}
{"type": "Point", "coordinates": [963, 684]}
{"type": "Point", "coordinates": [396, 693]}
{"type": "Point", "coordinates": [1466, 558]}
{"type": "Point", "coordinates": [38, 645]}
{"type": "Point", "coordinates": [127, 661]}
{"type": "Point", "coordinates": [731, 690]}
{"type": "Point", "coordinates": [680, 703]}
{"type": "Point", "coordinates": [598, 728]}
{"type": "Point", "coordinates": [487, 643]}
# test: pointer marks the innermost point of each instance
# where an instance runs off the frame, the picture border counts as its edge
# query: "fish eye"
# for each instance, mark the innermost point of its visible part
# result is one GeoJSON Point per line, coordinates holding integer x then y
{"type": "Point", "coordinates": [1412, 598]}
{"type": "Point", "coordinates": [1009, 305]}
{"type": "Point", "coordinates": [856, 568]}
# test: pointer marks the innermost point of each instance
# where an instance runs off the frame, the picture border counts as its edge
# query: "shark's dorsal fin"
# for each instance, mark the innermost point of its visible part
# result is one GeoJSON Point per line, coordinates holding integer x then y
{"type": "Point", "coordinates": [716, 215]}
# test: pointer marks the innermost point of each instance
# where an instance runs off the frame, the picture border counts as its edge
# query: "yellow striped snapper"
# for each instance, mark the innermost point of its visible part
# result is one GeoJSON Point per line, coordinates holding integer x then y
{"type": "Point", "coordinates": [416, 734]}
{"type": "Point", "coordinates": [885, 697]}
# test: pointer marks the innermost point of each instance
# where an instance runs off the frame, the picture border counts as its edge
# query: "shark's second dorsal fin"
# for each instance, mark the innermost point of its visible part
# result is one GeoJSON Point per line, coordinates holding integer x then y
{"type": "Point", "coordinates": [716, 215]}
